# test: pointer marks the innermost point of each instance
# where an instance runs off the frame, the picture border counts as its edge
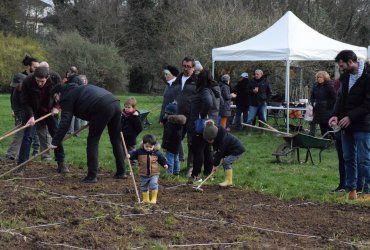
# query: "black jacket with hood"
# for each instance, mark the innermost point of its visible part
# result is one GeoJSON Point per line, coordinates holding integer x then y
{"type": "Point", "coordinates": [355, 103]}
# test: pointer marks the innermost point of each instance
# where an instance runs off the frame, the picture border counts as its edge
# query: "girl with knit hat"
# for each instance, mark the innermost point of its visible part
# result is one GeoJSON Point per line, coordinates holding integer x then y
{"type": "Point", "coordinates": [226, 147]}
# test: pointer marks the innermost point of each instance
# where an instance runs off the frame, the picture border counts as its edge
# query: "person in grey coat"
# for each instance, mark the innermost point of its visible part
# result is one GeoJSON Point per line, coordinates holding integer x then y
{"type": "Point", "coordinates": [170, 92]}
{"type": "Point", "coordinates": [225, 107]}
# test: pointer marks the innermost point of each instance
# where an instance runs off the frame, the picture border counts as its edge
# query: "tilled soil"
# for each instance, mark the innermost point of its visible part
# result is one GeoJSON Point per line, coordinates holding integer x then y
{"type": "Point", "coordinates": [45, 210]}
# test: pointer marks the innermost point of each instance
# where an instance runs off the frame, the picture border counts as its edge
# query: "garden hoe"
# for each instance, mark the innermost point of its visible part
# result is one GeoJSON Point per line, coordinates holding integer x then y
{"type": "Point", "coordinates": [44, 151]}
{"type": "Point", "coordinates": [129, 164]}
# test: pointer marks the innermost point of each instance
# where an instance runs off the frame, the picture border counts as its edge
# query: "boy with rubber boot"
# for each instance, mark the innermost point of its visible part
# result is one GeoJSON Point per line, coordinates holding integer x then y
{"type": "Point", "coordinates": [149, 159]}
{"type": "Point", "coordinates": [226, 147]}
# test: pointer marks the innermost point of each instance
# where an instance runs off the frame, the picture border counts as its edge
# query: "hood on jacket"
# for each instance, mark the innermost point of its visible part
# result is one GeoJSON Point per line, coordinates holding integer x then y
{"type": "Point", "coordinates": [177, 119]}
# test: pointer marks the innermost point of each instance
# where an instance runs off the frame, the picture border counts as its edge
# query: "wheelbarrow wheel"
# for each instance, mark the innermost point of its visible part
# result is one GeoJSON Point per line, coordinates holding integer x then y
{"type": "Point", "coordinates": [284, 154]}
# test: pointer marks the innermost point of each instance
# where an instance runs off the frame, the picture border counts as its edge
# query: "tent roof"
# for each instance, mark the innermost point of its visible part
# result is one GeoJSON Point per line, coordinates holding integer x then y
{"type": "Point", "coordinates": [287, 39]}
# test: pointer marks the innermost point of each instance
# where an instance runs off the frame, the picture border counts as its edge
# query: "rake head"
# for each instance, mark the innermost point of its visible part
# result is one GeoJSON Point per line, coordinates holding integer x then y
{"type": "Point", "coordinates": [198, 189]}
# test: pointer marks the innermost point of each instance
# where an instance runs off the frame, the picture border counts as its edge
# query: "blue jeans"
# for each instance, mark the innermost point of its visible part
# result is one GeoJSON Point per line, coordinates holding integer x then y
{"type": "Point", "coordinates": [238, 113]}
{"type": "Point", "coordinates": [356, 154]}
{"type": "Point", "coordinates": [24, 152]}
{"type": "Point", "coordinates": [261, 110]}
{"type": "Point", "coordinates": [148, 183]}
{"type": "Point", "coordinates": [173, 163]}
{"type": "Point", "coordinates": [228, 161]}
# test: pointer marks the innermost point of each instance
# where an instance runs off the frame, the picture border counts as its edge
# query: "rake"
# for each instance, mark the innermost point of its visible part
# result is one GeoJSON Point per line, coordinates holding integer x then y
{"type": "Point", "coordinates": [15, 130]}
{"type": "Point", "coordinates": [198, 188]}
{"type": "Point", "coordinates": [42, 152]}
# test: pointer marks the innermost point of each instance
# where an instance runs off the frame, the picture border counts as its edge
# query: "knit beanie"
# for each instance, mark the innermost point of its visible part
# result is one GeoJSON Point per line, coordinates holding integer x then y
{"type": "Point", "coordinates": [171, 108]}
{"type": "Point", "coordinates": [210, 130]}
{"type": "Point", "coordinates": [225, 78]}
{"type": "Point", "coordinates": [173, 70]}
{"type": "Point", "coordinates": [198, 66]}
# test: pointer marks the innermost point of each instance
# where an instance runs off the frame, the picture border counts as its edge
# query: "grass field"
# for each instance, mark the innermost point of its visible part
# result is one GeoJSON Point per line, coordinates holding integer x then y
{"type": "Point", "coordinates": [255, 170]}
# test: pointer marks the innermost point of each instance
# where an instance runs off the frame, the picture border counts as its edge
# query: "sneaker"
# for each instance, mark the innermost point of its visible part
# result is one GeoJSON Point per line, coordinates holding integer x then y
{"type": "Point", "coordinates": [62, 168]}
{"type": "Point", "coordinates": [339, 189]}
{"type": "Point", "coordinates": [89, 179]}
{"type": "Point", "coordinates": [47, 158]}
{"type": "Point", "coordinates": [198, 180]}
{"type": "Point", "coordinates": [120, 176]}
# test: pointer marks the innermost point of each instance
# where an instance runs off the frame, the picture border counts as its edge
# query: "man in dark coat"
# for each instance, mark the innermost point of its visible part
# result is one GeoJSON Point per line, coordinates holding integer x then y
{"type": "Point", "coordinates": [259, 93]}
{"type": "Point", "coordinates": [241, 100]}
{"type": "Point", "coordinates": [101, 109]}
{"type": "Point", "coordinates": [185, 87]}
{"type": "Point", "coordinates": [37, 101]}
{"type": "Point", "coordinates": [352, 114]}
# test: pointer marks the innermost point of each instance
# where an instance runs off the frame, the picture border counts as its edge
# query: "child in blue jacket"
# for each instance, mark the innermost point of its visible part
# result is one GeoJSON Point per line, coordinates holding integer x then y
{"type": "Point", "coordinates": [226, 147]}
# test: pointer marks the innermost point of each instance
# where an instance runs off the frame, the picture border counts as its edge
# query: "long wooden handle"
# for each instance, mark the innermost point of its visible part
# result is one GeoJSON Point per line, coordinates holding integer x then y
{"type": "Point", "coordinates": [206, 179]}
{"type": "Point", "coordinates": [42, 152]}
{"type": "Point", "coordinates": [129, 164]}
{"type": "Point", "coordinates": [266, 129]}
{"type": "Point", "coordinates": [9, 131]}
{"type": "Point", "coordinates": [267, 125]}
{"type": "Point", "coordinates": [23, 127]}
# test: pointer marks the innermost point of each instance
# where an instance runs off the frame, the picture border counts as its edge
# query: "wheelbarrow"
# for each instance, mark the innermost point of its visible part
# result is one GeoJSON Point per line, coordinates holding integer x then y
{"type": "Point", "coordinates": [288, 151]}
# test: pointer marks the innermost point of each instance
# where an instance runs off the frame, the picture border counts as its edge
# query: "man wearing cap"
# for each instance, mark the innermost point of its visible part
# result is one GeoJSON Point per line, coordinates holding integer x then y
{"type": "Point", "coordinates": [37, 101]}
{"type": "Point", "coordinates": [226, 147]}
{"type": "Point", "coordinates": [241, 100]}
{"type": "Point", "coordinates": [17, 112]}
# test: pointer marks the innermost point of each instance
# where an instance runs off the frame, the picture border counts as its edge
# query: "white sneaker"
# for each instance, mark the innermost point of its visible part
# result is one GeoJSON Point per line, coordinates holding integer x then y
{"type": "Point", "coordinates": [198, 180]}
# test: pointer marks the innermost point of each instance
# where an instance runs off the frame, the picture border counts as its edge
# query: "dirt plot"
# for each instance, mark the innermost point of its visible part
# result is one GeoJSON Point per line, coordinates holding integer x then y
{"type": "Point", "coordinates": [44, 210]}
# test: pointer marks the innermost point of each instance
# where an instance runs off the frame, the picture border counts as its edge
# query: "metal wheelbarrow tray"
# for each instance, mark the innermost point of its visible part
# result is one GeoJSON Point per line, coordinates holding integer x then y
{"type": "Point", "coordinates": [286, 152]}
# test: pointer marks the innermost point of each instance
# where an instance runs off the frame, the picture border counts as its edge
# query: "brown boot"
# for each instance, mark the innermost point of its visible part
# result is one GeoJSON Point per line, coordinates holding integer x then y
{"type": "Point", "coordinates": [62, 168]}
{"type": "Point", "coordinates": [364, 198]}
{"type": "Point", "coordinates": [352, 195]}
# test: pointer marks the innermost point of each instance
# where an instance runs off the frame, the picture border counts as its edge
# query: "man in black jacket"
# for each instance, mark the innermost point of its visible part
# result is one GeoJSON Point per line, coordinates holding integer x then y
{"type": "Point", "coordinates": [185, 87]}
{"type": "Point", "coordinates": [352, 114]}
{"type": "Point", "coordinates": [241, 100]}
{"type": "Point", "coordinates": [37, 101]}
{"type": "Point", "coordinates": [259, 94]}
{"type": "Point", "coordinates": [101, 109]}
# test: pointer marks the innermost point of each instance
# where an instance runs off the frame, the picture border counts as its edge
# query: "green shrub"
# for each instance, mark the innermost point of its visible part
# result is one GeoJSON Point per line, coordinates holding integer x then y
{"type": "Point", "coordinates": [101, 63]}
{"type": "Point", "coordinates": [12, 51]}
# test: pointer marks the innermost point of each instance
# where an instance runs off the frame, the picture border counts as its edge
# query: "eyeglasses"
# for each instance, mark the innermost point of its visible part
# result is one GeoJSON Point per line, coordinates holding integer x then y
{"type": "Point", "coordinates": [187, 66]}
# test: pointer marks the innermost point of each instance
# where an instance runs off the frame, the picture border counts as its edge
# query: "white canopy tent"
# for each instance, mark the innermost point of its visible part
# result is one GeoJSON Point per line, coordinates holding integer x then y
{"type": "Point", "coordinates": [288, 39]}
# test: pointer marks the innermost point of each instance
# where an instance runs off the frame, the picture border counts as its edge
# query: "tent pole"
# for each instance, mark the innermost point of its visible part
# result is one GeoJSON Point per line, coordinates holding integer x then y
{"type": "Point", "coordinates": [213, 69]}
{"type": "Point", "coordinates": [287, 77]}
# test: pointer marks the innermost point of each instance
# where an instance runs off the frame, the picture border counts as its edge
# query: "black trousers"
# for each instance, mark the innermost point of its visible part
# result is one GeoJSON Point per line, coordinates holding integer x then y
{"type": "Point", "coordinates": [202, 154]}
{"type": "Point", "coordinates": [105, 115]}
